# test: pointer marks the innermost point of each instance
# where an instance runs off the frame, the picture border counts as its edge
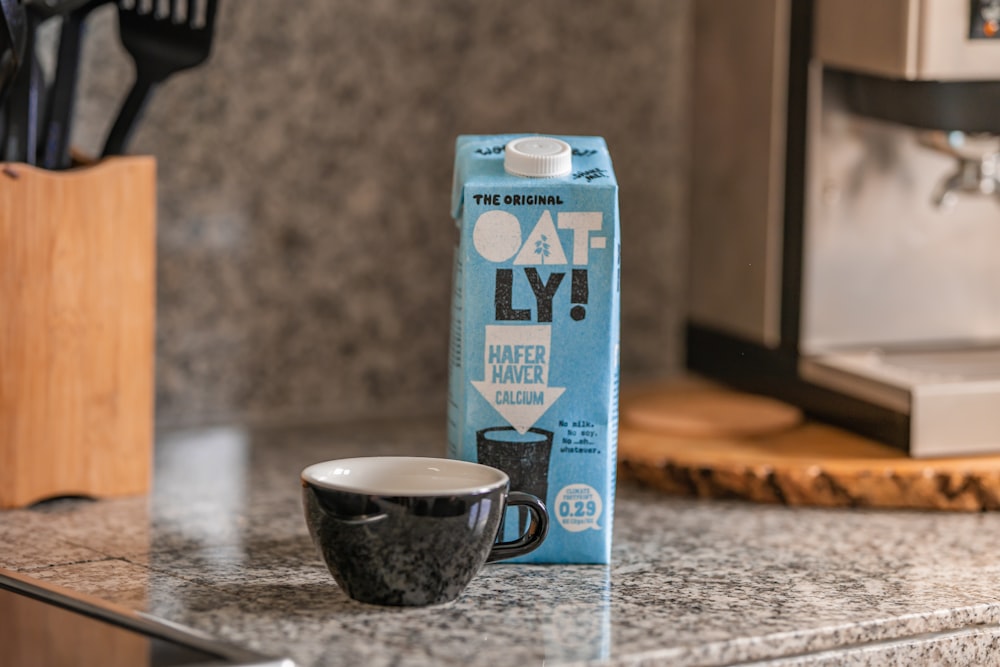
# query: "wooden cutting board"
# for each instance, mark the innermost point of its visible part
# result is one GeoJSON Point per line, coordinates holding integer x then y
{"type": "Point", "coordinates": [782, 458]}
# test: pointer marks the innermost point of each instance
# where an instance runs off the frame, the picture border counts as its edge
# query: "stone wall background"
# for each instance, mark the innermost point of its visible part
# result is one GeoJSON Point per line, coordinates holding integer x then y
{"type": "Point", "coordinates": [304, 243]}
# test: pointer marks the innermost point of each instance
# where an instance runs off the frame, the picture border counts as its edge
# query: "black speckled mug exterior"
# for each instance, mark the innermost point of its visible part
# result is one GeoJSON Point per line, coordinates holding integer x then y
{"type": "Point", "coordinates": [412, 531]}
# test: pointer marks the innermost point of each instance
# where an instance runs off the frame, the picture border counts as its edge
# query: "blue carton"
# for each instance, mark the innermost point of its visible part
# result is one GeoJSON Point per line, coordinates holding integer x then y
{"type": "Point", "coordinates": [533, 382]}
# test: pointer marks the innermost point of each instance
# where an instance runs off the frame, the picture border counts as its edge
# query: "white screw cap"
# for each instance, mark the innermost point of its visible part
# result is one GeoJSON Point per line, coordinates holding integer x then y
{"type": "Point", "coordinates": [538, 157]}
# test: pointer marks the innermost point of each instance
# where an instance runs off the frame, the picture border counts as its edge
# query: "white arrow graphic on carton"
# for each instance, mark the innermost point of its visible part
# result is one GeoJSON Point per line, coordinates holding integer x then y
{"type": "Point", "coordinates": [516, 371]}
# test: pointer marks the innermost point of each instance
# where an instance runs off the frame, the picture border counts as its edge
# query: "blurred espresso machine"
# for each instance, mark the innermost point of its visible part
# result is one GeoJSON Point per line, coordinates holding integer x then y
{"type": "Point", "coordinates": [845, 238]}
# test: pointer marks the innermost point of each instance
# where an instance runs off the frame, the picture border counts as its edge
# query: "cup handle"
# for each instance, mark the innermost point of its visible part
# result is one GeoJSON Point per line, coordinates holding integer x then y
{"type": "Point", "coordinates": [533, 537]}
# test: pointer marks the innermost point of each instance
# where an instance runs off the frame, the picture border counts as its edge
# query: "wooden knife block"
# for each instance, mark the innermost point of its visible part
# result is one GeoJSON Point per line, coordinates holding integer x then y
{"type": "Point", "coordinates": [77, 310]}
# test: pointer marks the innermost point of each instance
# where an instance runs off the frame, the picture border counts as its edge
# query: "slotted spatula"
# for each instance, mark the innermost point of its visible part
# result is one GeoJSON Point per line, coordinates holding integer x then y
{"type": "Point", "coordinates": [162, 43]}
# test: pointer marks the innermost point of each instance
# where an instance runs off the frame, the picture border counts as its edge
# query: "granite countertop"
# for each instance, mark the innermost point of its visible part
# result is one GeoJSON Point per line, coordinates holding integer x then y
{"type": "Point", "coordinates": [220, 546]}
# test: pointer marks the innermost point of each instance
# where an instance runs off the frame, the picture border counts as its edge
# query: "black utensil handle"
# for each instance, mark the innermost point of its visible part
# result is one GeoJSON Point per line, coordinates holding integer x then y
{"type": "Point", "coordinates": [59, 110]}
{"type": "Point", "coordinates": [36, 91]}
{"type": "Point", "coordinates": [19, 138]}
{"type": "Point", "coordinates": [46, 10]}
{"type": "Point", "coordinates": [532, 537]}
{"type": "Point", "coordinates": [16, 111]}
{"type": "Point", "coordinates": [128, 115]}
{"type": "Point", "coordinates": [8, 71]}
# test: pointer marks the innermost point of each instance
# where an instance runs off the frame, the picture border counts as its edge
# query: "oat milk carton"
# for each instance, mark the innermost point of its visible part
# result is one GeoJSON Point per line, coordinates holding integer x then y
{"type": "Point", "coordinates": [534, 333]}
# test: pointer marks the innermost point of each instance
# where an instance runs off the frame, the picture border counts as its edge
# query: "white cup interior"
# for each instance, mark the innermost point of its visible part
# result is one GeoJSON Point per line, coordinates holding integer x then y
{"type": "Point", "coordinates": [404, 476]}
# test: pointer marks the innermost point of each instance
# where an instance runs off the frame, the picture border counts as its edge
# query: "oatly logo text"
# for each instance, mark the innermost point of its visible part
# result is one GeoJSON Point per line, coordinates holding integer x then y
{"type": "Point", "coordinates": [497, 237]}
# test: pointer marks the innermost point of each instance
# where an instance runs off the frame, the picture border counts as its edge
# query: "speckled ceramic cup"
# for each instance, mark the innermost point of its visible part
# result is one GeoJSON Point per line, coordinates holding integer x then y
{"type": "Point", "coordinates": [412, 531]}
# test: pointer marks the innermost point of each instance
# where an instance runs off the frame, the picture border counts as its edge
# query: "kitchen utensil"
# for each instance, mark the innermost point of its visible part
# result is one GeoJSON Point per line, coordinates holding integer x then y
{"type": "Point", "coordinates": [161, 45]}
{"type": "Point", "coordinates": [13, 37]}
{"type": "Point", "coordinates": [21, 139]}
{"type": "Point", "coordinates": [412, 531]}
{"type": "Point", "coordinates": [49, 8]}
{"type": "Point", "coordinates": [59, 108]}
{"type": "Point", "coordinates": [24, 114]}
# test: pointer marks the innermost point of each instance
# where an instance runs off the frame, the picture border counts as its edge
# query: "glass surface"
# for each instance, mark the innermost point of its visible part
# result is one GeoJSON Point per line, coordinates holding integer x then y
{"type": "Point", "coordinates": [37, 632]}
